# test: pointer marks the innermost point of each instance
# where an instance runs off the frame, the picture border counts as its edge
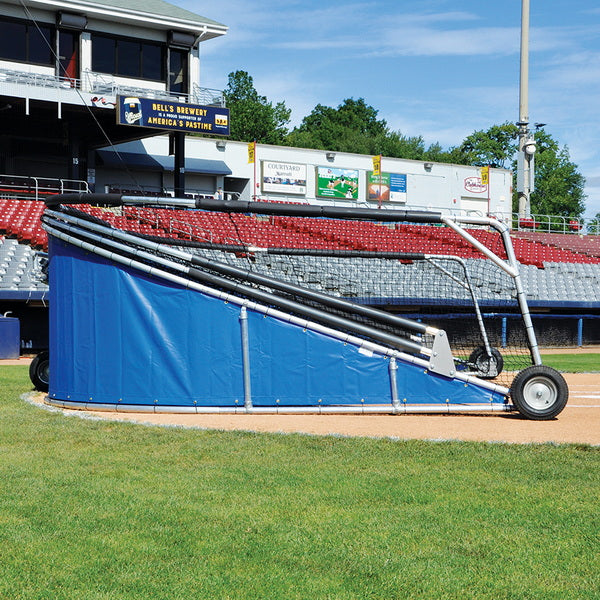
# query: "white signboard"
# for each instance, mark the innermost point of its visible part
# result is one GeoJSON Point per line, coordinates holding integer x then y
{"type": "Point", "coordinates": [283, 177]}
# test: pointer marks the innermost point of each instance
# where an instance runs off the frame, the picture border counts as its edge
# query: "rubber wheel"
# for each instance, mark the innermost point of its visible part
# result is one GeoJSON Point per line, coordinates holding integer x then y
{"type": "Point", "coordinates": [39, 371]}
{"type": "Point", "coordinates": [486, 366]}
{"type": "Point", "coordinates": [539, 392]}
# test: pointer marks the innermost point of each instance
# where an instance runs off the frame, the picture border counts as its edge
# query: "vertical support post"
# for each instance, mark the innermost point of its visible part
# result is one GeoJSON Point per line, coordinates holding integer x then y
{"type": "Point", "coordinates": [179, 166]}
{"type": "Point", "coordinates": [254, 194]}
{"type": "Point", "coordinates": [580, 331]}
{"type": "Point", "coordinates": [504, 331]}
{"type": "Point", "coordinates": [393, 382]}
{"type": "Point", "coordinates": [525, 157]}
{"type": "Point", "coordinates": [246, 358]}
{"type": "Point", "coordinates": [521, 297]}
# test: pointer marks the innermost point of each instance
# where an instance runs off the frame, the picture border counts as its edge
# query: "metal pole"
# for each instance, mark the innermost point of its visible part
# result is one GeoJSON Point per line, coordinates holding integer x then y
{"type": "Point", "coordinates": [393, 382]}
{"type": "Point", "coordinates": [246, 358]}
{"type": "Point", "coordinates": [525, 155]}
{"type": "Point", "coordinates": [179, 166]}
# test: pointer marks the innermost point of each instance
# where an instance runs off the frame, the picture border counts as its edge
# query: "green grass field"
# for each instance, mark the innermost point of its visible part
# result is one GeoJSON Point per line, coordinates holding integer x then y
{"type": "Point", "coordinates": [573, 363]}
{"type": "Point", "coordinates": [566, 363]}
{"type": "Point", "coordinates": [92, 509]}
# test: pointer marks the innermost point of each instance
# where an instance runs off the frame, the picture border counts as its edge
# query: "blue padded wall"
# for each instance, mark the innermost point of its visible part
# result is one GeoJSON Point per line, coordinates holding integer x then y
{"type": "Point", "coordinates": [118, 336]}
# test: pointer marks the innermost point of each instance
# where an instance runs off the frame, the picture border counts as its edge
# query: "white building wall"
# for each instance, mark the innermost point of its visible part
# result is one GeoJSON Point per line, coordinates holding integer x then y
{"type": "Point", "coordinates": [431, 186]}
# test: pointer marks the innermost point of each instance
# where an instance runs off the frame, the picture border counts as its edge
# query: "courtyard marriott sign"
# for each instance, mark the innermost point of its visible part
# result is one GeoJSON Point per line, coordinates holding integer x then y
{"type": "Point", "coordinates": [172, 116]}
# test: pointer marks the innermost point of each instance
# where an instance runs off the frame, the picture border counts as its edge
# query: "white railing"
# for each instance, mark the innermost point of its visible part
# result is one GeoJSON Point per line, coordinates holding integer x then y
{"type": "Point", "coordinates": [37, 188]}
{"type": "Point", "coordinates": [37, 79]}
{"type": "Point", "coordinates": [548, 223]}
{"type": "Point", "coordinates": [105, 85]}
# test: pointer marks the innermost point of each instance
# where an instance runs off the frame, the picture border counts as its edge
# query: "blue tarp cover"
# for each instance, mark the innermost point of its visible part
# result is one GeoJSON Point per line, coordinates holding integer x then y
{"type": "Point", "coordinates": [120, 336]}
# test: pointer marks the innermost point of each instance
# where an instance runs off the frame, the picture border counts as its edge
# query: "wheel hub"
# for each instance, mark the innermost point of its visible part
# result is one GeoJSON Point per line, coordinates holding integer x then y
{"type": "Point", "coordinates": [540, 393]}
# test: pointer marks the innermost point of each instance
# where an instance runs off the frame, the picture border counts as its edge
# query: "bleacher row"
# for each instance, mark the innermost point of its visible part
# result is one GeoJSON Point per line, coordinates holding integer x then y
{"type": "Point", "coordinates": [20, 220]}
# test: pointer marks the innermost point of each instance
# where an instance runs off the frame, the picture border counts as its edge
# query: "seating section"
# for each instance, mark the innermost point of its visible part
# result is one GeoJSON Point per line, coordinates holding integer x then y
{"type": "Point", "coordinates": [555, 265]}
{"type": "Point", "coordinates": [586, 244]}
{"type": "Point", "coordinates": [19, 267]}
{"type": "Point", "coordinates": [21, 218]}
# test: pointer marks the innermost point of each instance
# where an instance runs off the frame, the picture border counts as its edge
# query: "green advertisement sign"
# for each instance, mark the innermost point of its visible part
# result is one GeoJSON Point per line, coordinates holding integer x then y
{"type": "Point", "coordinates": [337, 183]}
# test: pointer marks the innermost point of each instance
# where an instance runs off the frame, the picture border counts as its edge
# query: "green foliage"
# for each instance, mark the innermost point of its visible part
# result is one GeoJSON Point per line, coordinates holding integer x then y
{"type": "Point", "coordinates": [494, 147]}
{"type": "Point", "coordinates": [354, 127]}
{"type": "Point", "coordinates": [252, 116]}
{"type": "Point", "coordinates": [351, 127]}
{"type": "Point", "coordinates": [559, 187]}
{"type": "Point", "coordinates": [93, 509]}
{"type": "Point", "coordinates": [593, 225]}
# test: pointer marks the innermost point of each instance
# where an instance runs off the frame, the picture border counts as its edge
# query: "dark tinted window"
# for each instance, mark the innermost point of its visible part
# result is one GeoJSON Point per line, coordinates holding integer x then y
{"type": "Point", "coordinates": [128, 58]}
{"type": "Point", "coordinates": [103, 54]}
{"type": "Point", "coordinates": [40, 45]}
{"type": "Point", "coordinates": [178, 71]}
{"type": "Point", "coordinates": [13, 40]}
{"type": "Point", "coordinates": [152, 62]}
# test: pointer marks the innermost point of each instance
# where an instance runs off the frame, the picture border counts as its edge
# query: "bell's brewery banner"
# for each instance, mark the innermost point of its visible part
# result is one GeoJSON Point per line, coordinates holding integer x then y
{"type": "Point", "coordinates": [174, 116]}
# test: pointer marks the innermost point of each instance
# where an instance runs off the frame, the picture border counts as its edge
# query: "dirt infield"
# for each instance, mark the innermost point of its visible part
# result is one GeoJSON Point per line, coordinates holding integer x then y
{"type": "Point", "coordinates": [578, 423]}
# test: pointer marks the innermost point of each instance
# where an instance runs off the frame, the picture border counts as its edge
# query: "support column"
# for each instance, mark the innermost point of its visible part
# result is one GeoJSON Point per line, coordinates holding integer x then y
{"type": "Point", "coordinates": [179, 167]}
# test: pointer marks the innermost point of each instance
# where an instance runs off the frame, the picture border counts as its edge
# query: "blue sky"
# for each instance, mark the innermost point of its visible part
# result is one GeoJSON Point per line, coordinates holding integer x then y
{"type": "Point", "coordinates": [436, 68]}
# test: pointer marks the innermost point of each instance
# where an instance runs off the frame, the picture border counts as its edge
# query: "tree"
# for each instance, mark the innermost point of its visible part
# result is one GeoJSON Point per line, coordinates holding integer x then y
{"type": "Point", "coordinates": [559, 187]}
{"type": "Point", "coordinates": [252, 116]}
{"type": "Point", "coordinates": [351, 127]}
{"type": "Point", "coordinates": [495, 147]}
{"type": "Point", "coordinates": [354, 127]}
{"type": "Point", "coordinates": [558, 184]}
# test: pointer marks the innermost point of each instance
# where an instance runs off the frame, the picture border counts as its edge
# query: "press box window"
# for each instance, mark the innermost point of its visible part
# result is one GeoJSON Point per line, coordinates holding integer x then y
{"type": "Point", "coordinates": [127, 57]}
{"type": "Point", "coordinates": [26, 42]}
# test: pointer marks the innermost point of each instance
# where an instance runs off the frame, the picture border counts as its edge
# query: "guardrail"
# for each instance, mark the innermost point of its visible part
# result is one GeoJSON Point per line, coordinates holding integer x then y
{"type": "Point", "coordinates": [23, 187]}
{"type": "Point", "coordinates": [105, 85]}
{"type": "Point", "coordinates": [548, 223]}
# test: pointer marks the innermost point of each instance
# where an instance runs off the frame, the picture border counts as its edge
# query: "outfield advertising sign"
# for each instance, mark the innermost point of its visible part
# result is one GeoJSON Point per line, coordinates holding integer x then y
{"type": "Point", "coordinates": [337, 183]}
{"type": "Point", "coordinates": [386, 187]}
{"type": "Point", "coordinates": [172, 116]}
{"type": "Point", "coordinates": [283, 178]}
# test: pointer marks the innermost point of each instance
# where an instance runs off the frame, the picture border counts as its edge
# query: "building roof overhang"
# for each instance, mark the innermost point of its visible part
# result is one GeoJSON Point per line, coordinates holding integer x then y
{"type": "Point", "coordinates": [156, 14]}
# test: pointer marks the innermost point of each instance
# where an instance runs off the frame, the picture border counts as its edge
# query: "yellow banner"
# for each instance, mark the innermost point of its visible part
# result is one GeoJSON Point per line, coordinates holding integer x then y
{"type": "Point", "coordinates": [251, 152]}
{"type": "Point", "coordinates": [377, 165]}
{"type": "Point", "coordinates": [485, 175]}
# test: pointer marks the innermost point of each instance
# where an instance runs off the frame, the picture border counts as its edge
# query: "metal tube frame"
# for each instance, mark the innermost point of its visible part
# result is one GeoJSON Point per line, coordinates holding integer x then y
{"type": "Point", "coordinates": [359, 343]}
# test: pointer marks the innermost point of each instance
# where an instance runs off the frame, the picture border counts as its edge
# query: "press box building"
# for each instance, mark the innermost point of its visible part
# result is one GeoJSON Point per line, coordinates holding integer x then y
{"type": "Point", "coordinates": [64, 63]}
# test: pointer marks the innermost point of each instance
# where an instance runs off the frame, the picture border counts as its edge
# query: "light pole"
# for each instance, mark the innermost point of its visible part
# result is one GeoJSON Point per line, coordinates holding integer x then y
{"type": "Point", "coordinates": [526, 152]}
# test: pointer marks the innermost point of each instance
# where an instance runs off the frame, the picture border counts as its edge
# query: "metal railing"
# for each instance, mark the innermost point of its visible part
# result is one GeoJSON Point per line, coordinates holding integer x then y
{"type": "Point", "coordinates": [105, 85]}
{"type": "Point", "coordinates": [37, 80]}
{"type": "Point", "coordinates": [548, 223]}
{"type": "Point", "coordinates": [22, 187]}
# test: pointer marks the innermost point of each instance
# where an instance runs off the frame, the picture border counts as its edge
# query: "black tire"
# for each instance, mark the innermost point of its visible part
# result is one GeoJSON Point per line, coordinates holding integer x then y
{"type": "Point", "coordinates": [539, 392]}
{"type": "Point", "coordinates": [39, 371]}
{"type": "Point", "coordinates": [486, 366]}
